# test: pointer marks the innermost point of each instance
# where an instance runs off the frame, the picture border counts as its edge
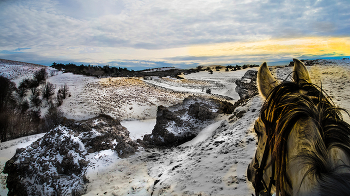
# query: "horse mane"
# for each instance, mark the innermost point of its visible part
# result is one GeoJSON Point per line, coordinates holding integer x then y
{"type": "Point", "coordinates": [290, 102]}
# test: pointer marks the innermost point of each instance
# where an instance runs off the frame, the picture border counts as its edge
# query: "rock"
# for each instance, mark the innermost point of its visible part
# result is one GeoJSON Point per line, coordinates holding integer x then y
{"type": "Point", "coordinates": [56, 173]}
{"type": "Point", "coordinates": [182, 122]}
{"type": "Point", "coordinates": [246, 86]}
{"type": "Point", "coordinates": [200, 111]}
{"type": "Point", "coordinates": [57, 162]}
{"type": "Point", "coordinates": [125, 149]}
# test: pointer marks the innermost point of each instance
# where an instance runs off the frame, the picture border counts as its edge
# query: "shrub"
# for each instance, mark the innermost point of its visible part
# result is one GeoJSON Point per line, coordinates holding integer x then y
{"type": "Point", "coordinates": [218, 68]}
{"type": "Point", "coordinates": [24, 106]}
{"type": "Point", "coordinates": [34, 98]}
{"type": "Point", "coordinates": [7, 103]}
{"type": "Point", "coordinates": [23, 88]}
{"type": "Point", "coordinates": [48, 91]}
{"type": "Point", "coordinates": [40, 76]}
{"type": "Point", "coordinates": [53, 117]}
{"type": "Point", "coordinates": [62, 94]}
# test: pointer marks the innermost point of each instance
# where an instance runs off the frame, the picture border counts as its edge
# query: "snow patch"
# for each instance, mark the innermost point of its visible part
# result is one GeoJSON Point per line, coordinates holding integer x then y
{"type": "Point", "coordinates": [204, 134]}
{"type": "Point", "coordinates": [138, 128]}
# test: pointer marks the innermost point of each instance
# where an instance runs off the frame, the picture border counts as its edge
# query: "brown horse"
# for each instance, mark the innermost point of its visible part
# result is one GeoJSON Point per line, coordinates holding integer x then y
{"type": "Point", "coordinates": [303, 142]}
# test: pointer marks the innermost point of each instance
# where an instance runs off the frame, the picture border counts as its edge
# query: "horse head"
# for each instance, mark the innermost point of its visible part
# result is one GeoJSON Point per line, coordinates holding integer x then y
{"type": "Point", "coordinates": [302, 140]}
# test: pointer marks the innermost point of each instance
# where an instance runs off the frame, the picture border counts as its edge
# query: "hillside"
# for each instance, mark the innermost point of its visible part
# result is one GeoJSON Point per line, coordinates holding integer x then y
{"type": "Point", "coordinates": [213, 163]}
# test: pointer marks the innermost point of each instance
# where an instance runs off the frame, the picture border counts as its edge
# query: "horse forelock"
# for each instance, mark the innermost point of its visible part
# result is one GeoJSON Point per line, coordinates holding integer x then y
{"type": "Point", "coordinates": [290, 102]}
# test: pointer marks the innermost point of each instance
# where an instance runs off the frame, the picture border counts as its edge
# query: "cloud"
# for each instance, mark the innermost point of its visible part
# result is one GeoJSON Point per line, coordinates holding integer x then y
{"type": "Point", "coordinates": [51, 27]}
{"type": "Point", "coordinates": [162, 24]}
{"type": "Point", "coordinates": [17, 50]}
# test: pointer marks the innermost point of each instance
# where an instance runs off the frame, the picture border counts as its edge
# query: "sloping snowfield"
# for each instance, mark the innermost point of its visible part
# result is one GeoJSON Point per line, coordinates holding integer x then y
{"type": "Point", "coordinates": [213, 163]}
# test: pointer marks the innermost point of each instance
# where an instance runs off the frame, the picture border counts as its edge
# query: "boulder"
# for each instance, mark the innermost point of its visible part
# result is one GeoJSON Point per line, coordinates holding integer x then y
{"type": "Point", "coordinates": [182, 122]}
{"type": "Point", "coordinates": [56, 164]}
{"type": "Point", "coordinates": [246, 86]}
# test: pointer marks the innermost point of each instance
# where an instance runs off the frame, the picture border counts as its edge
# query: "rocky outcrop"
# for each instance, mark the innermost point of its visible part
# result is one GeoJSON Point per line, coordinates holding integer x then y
{"type": "Point", "coordinates": [56, 164]}
{"type": "Point", "coordinates": [246, 86]}
{"type": "Point", "coordinates": [109, 133]}
{"type": "Point", "coordinates": [180, 123]}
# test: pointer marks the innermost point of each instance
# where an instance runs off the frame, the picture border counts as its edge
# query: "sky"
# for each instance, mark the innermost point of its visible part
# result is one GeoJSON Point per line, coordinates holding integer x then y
{"type": "Point", "coordinates": [140, 34]}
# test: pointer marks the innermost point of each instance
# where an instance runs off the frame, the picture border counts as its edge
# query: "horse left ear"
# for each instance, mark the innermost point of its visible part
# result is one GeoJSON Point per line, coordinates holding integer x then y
{"type": "Point", "coordinates": [266, 82]}
{"type": "Point", "coordinates": [300, 73]}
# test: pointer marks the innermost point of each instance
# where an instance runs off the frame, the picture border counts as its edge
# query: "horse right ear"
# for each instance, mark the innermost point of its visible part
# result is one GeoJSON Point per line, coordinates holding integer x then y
{"type": "Point", "coordinates": [300, 73]}
{"type": "Point", "coordinates": [266, 82]}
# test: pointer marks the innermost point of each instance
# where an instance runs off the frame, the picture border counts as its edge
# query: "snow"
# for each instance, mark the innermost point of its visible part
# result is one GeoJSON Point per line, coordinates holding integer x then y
{"type": "Point", "coordinates": [99, 162]}
{"type": "Point", "coordinates": [122, 177]}
{"type": "Point", "coordinates": [73, 107]}
{"type": "Point", "coordinates": [204, 134]}
{"type": "Point", "coordinates": [220, 82]}
{"type": "Point", "coordinates": [17, 72]}
{"type": "Point", "coordinates": [174, 88]}
{"type": "Point", "coordinates": [121, 98]}
{"type": "Point", "coordinates": [224, 79]}
{"type": "Point", "coordinates": [214, 162]}
{"type": "Point", "coordinates": [139, 128]}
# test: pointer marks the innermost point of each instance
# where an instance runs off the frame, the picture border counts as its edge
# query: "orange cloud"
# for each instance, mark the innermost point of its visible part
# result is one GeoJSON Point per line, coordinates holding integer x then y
{"type": "Point", "coordinates": [309, 46]}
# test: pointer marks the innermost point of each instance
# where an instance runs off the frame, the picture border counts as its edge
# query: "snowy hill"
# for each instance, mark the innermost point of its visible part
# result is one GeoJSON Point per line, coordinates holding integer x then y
{"type": "Point", "coordinates": [212, 163]}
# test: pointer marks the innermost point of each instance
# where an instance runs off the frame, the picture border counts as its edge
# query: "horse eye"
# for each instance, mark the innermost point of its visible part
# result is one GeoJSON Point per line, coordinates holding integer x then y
{"type": "Point", "coordinates": [256, 129]}
{"type": "Point", "coordinates": [257, 132]}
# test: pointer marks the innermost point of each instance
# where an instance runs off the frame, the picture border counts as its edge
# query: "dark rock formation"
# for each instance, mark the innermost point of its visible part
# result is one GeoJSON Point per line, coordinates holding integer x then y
{"type": "Point", "coordinates": [56, 164]}
{"type": "Point", "coordinates": [246, 86]}
{"type": "Point", "coordinates": [201, 112]}
{"type": "Point", "coordinates": [180, 123]}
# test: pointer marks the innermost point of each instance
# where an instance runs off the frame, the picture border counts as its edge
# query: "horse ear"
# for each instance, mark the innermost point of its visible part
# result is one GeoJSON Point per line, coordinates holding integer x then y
{"type": "Point", "coordinates": [300, 73]}
{"type": "Point", "coordinates": [266, 82]}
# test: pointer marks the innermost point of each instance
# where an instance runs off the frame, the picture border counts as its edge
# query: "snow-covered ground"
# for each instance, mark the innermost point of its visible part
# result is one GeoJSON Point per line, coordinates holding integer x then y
{"type": "Point", "coordinates": [138, 128]}
{"type": "Point", "coordinates": [17, 71]}
{"type": "Point", "coordinates": [213, 163]}
{"type": "Point", "coordinates": [220, 82]}
{"type": "Point", "coordinates": [225, 81]}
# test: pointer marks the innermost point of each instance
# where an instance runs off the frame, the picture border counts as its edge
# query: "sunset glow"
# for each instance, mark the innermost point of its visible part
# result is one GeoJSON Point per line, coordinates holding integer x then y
{"type": "Point", "coordinates": [310, 46]}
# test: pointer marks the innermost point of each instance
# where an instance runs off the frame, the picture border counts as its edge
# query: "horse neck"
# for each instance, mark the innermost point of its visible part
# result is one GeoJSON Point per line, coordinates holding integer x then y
{"type": "Point", "coordinates": [303, 137]}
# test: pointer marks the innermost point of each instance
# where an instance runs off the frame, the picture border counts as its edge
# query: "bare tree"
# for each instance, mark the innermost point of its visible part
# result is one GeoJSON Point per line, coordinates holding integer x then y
{"type": "Point", "coordinates": [7, 102]}
{"type": "Point", "coordinates": [62, 94]}
{"type": "Point", "coordinates": [40, 76]}
{"type": "Point", "coordinates": [48, 91]}
{"type": "Point", "coordinates": [34, 98]}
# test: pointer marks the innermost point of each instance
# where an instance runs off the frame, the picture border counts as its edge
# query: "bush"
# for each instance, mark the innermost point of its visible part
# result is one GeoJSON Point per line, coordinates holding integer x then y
{"type": "Point", "coordinates": [48, 91]}
{"type": "Point", "coordinates": [218, 68]}
{"type": "Point", "coordinates": [40, 76]}
{"type": "Point", "coordinates": [23, 88]}
{"type": "Point", "coordinates": [53, 117]}
{"type": "Point", "coordinates": [24, 106]}
{"type": "Point", "coordinates": [7, 103]}
{"type": "Point", "coordinates": [34, 98]}
{"type": "Point", "coordinates": [199, 68]}
{"type": "Point", "coordinates": [62, 94]}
